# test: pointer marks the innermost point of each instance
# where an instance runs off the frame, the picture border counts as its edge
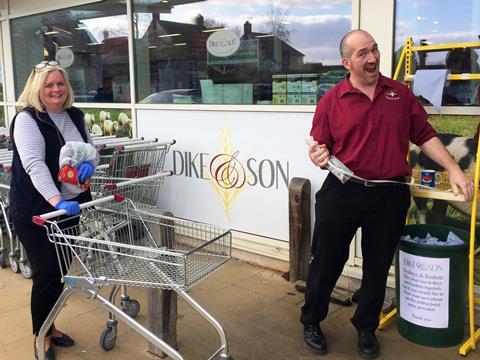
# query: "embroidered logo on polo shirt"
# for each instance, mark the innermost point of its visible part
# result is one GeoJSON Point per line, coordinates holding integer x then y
{"type": "Point", "coordinates": [392, 95]}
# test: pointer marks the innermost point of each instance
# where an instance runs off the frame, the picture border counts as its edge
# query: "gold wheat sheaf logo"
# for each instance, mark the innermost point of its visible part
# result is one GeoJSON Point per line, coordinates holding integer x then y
{"type": "Point", "coordinates": [227, 173]}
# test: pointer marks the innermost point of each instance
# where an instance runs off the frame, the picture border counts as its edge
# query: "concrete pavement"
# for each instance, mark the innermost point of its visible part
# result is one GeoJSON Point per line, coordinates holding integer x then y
{"type": "Point", "coordinates": [257, 307]}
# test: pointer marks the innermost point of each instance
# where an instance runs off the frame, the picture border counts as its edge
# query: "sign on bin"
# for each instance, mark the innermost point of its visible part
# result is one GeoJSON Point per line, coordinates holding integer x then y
{"type": "Point", "coordinates": [431, 284]}
{"type": "Point", "coordinates": [424, 289]}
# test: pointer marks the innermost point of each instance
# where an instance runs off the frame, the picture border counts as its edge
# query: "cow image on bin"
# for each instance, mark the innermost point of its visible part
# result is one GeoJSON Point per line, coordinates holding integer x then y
{"type": "Point", "coordinates": [463, 150]}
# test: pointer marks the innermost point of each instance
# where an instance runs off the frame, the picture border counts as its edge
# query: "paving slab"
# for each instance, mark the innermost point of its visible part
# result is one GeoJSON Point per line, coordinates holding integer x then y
{"type": "Point", "coordinates": [258, 309]}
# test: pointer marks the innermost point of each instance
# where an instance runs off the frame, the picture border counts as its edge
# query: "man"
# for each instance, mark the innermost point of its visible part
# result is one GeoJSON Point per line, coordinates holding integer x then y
{"type": "Point", "coordinates": [366, 121]}
{"type": "Point", "coordinates": [105, 92]}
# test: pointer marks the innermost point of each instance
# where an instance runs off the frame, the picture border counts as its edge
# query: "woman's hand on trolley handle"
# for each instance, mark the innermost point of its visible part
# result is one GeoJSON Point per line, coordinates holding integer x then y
{"type": "Point", "coordinates": [71, 207]}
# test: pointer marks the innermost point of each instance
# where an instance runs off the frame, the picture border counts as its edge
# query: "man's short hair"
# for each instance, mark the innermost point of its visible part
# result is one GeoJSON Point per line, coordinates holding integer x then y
{"type": "Point", "coordinates": [344, 49]}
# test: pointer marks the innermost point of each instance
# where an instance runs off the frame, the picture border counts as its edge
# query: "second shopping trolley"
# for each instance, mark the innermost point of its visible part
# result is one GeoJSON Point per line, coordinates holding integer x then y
{"type": "Point", "coordinates": [121, 245]}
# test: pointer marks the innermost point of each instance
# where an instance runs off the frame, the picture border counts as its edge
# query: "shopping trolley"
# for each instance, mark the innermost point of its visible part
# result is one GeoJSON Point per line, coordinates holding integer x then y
{"type": "Point", "coordinates": [17, 254]}
{"type": "Point", "coordinates": [134, 159]}
{"type": "Point", "coordinates": [120, 245]}
{"type": "Point", "coordinates": [108, 147]}
{"type": "Point", "coordinates": [141, 191]}
{"type": "Point", "coordinates": [3, 221]}
{"type": "Point", "coordinates": [136, 190]}
{"type": "Point", "coordinates": [136, 172]}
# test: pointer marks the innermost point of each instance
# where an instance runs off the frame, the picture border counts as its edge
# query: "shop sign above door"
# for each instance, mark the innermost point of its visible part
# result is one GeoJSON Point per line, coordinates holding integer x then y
{"type": "Point", "coordinates": [223, 43]}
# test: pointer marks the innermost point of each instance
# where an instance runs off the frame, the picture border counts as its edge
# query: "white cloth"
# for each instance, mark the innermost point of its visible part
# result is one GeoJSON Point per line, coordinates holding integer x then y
{"type": "Point", "coordinates": [452, 239]}
{"type": "Point", "coordinates": [72, 154]}
{"type": "Point", "coordinates": [430, 84]}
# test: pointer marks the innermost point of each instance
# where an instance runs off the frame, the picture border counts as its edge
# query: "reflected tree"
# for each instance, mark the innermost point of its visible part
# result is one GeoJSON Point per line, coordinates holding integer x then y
{"type": "Point", "coordinates": [210, 23]}
{"type": "Point", "coordinates": [277, 22]}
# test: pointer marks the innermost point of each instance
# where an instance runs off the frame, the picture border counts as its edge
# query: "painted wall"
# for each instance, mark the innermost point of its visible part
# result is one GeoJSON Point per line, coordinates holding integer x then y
{"type": "Point", "coordinates": [232, 169]}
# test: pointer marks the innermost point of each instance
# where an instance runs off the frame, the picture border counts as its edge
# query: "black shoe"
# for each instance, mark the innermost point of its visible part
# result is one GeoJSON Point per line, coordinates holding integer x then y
{"type": "Point", "coordinates": [64, 340]}
{"type": "Point", "coordinates": [49, 355]}
{"type": "Point", "coordinates": [313, 336]}
{"type": "Point", "coordinates": [368, 346]}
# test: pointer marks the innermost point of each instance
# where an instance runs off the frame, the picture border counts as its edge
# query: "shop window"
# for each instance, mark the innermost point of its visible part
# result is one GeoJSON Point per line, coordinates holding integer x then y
{"type": "Point", "coordinates": [1, 81]}
{"type": "Point", "coordinates": [106, 122]}
{"type": "Point", "coordinates": [231, 52]}
{"type": "Point", "coordinates": [90, 41]}
{"type": "Point", "coordinates": [451, 21]}
{"type": "Point", "coordinates": [2, 121]}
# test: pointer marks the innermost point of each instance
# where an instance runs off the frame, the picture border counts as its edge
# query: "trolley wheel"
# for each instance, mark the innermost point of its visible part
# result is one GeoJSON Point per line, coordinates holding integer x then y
{"type": "Point", "coordinates": [131, 307]}
{"type": "Point", "coordinates": [3, 258]}
{"type": "Point", "coordinates": [108, 338]}
{"type": "Point", "coordinates": [26, 269]}
{"type": "Point", "coordinates": [14, 264]}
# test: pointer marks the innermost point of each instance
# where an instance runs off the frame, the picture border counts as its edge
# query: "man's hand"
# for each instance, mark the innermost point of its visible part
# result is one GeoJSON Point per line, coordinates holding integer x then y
{"type": "Point", "coordinates": [458, 181]}
{"type": "Point", "coordinates": [436, 151]}
{"type": "Point", "coordinates": [318, 153]}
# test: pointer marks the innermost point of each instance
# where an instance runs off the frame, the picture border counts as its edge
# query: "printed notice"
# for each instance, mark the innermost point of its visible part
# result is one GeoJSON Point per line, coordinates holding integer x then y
{"type": "Point", "coordinates": [424, 284]}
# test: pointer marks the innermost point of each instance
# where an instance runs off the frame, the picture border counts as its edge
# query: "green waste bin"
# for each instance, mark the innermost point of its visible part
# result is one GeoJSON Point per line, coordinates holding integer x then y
{"type": "Point", "coordinates": [431, 287]}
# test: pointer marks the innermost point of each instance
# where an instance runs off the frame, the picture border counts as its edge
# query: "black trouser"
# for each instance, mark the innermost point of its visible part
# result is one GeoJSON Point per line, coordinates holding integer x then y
{"type": "Point", "coordinates": [46, 275]}
{"type": "Point", "coordinates": [340, 209]}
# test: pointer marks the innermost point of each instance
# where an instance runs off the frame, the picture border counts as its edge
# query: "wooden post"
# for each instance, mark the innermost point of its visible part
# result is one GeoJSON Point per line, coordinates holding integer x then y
{"type": "Point", "coordinates": [162, 303]}
{"type": "Point", "coordinates": [299, 215]}
{"type": "Point", "coordinates": [162, 318]}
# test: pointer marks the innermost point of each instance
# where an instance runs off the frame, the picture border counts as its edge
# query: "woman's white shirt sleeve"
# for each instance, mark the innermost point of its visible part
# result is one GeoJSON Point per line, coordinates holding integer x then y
{"type": "Point", "coordinates": [31, 149]}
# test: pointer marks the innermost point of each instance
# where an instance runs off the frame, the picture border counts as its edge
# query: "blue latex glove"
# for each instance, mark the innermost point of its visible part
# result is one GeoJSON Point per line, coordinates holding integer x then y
{"type": "Point", "coordinates": [85, 171]}
{"type": "Point", "coordinates": [71, 207]}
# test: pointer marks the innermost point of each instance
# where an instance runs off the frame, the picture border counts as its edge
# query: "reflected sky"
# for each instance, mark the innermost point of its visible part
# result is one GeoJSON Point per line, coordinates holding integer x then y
{"type": "Point", "coordinates": [437, 22]}
{"type": "Point", "coordinates": [315, 26]}
{"type": "Point", "coordinates": [115, 25]}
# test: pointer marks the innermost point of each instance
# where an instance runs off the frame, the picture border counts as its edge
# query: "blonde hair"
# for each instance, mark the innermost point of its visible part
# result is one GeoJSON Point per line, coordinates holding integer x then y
{"type": "Point", "coordinates": [30, 95]}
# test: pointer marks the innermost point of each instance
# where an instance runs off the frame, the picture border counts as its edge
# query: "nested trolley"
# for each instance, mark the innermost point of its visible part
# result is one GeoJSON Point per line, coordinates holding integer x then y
{"type": "Point", "coordinates": [135, 162]}
{"type": "Point", "coordinates": [117, 244]}
{"type": "Point", "coordinates": [134, 170]}
{"type": "Point", "coordinates": [16, 255]}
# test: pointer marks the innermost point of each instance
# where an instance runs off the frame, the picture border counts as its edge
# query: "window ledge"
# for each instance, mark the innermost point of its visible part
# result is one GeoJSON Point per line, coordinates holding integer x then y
{"type": "Point", "coordinates": [246, 108]}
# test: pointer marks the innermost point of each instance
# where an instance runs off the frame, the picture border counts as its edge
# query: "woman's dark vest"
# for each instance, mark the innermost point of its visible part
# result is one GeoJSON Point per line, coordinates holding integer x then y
{"type": "Point", "coordinates": [25, 200]}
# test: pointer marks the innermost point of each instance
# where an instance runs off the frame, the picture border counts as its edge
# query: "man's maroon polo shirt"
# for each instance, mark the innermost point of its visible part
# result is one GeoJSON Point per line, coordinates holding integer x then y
{"type": "Point", "coordinates": [371, 137]}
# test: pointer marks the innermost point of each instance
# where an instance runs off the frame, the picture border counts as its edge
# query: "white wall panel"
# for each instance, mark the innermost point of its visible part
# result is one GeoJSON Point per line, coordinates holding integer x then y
{"type": "Point", "coordinates": [377, 17]}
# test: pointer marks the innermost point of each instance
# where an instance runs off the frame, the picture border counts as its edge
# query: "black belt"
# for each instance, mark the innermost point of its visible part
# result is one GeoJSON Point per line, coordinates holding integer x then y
{"type": "Point", "coordinates": [400, 182]}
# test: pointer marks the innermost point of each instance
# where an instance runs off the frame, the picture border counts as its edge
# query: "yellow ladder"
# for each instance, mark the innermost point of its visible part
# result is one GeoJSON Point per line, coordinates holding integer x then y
{"type": "Point", "coordinates": [406, 56]}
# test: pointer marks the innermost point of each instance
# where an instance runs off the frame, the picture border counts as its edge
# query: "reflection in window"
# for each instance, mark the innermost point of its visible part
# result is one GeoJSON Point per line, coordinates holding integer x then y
{"type": "Point", "coordinates": [105, 122]}
{"type": "Point", "coordinates": [1, 80]}
{"type": "Point", "coordinates": [232, 52]}
{"type": "Point", "coordinates": [2, 120]}
{"type": "Point", "coordinates": [90, 41]}
{"type": "Point", "coordinates": [431, 25]}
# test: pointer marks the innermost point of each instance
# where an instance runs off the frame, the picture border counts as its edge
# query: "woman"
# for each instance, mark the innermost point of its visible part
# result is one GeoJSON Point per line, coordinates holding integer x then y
{"type": "Point", "coordinates": [47, 120]}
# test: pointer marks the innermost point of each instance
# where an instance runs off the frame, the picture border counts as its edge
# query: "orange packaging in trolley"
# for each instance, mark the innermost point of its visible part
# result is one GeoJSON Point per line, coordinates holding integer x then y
{"type": "Point", "coordinates": [68, 174]}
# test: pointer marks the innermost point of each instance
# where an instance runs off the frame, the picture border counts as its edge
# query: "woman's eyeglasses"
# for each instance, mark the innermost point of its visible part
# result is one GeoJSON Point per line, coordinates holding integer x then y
{"type": "Point", "coordinates": [45, 64]}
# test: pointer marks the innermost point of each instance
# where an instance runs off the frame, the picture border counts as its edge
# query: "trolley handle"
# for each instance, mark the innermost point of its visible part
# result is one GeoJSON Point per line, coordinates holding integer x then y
{"type": "Point", "coordinates": [122, 147]}
{"type": "Point", "coordinates": [40, 219]}
{"type": "Point", "coordinates": [145, 146]}
{"type": "Point", "coordinates": [104, 167]}
{"type": "Point", "coordinates": [114, 186]}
